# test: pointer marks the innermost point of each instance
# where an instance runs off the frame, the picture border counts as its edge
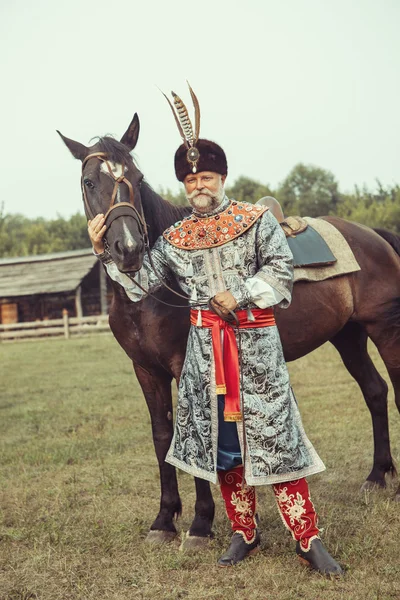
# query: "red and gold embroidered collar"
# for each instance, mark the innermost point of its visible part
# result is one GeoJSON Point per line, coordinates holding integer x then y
{"type": "Point", "coordinates": [194, 233]}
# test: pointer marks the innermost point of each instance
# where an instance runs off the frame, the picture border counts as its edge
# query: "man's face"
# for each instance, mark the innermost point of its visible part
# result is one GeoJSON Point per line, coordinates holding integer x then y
{"type": "Point", "coordinates": [205, 190]}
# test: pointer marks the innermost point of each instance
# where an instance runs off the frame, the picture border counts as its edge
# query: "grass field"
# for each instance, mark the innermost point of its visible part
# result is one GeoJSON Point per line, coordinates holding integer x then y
{"type": "Point", "coordinates": [79, 489]}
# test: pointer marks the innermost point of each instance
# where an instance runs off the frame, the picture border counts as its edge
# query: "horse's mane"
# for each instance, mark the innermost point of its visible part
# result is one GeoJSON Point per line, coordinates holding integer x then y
{"type": "Point", "coordinates": [159, 213]}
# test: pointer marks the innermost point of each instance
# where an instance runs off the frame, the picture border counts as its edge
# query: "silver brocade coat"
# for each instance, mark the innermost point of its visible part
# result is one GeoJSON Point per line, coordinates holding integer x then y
{"type": "Point", "coordinates": [277, 448]}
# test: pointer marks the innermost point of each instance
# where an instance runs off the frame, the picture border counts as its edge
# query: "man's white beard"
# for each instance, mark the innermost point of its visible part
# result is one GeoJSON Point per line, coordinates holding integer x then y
{"type": "Point", "coordinates": [206, 201]}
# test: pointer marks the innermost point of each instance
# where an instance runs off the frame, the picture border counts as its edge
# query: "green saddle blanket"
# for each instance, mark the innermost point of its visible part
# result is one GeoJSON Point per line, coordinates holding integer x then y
{"type": "Point", "coordinates": [309, 249]}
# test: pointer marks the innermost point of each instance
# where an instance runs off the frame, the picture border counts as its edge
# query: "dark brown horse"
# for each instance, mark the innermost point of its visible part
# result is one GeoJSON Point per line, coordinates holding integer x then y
{"type": "Point", "coordinates": [345, 310]}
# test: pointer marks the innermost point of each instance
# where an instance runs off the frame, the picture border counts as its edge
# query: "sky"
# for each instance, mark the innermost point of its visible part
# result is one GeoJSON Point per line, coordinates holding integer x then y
{"type": "Point", "coordinates": [312, 81]}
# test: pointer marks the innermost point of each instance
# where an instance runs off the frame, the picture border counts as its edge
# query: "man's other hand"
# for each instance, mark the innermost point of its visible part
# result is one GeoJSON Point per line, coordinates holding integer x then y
{"type": "Point", "coordinates": [96, 230]}
{"type": "Point", "coordinates": [226, 301]}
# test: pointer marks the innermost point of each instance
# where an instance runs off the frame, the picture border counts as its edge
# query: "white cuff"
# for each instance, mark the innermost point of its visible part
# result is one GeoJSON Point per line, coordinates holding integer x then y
{"type": "Point", "coordinates": [262, 293]}
{"type": "Point", "coordinates": [132, 291]}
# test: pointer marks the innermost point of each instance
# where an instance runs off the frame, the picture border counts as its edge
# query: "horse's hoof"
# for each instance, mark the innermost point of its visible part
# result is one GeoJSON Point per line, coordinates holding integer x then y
{"type": "Point", "coordinates": [370, 486]}
{"type": "Point", "coordinates": [397, 497]}
{"type": "Point", "coordinates": [194, 543]}
{"type": "Point", "coordinates": [157, 537]}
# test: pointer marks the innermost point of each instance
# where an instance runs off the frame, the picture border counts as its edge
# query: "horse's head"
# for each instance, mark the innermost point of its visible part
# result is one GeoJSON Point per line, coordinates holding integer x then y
{"type": "Point", "coordinates": [111, 185]}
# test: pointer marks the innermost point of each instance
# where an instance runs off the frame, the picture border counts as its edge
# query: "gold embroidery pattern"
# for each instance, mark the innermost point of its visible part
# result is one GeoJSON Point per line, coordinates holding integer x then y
{"type": "Point", "coordinates": [297, 511]}
{"type": "Point", "coordinates": [240, 503]}
{"type": "Point", "coordinates": [292, 506]}
{"type": "Point", "coordinates": [194, 233]}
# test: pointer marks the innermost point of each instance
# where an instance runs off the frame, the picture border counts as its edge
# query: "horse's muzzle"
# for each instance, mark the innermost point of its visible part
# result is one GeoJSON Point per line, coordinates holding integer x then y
{"type": "Point", "coordinates": [128, 258]}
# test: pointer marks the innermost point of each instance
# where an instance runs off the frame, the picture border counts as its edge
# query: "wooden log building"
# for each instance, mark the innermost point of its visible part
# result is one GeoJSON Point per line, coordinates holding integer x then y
{"type": "Point", "coordinates": [39, 287]}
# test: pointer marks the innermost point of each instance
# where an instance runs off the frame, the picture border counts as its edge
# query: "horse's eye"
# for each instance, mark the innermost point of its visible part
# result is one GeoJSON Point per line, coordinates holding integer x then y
{"type": "Point", "coordinates": [89, 183]}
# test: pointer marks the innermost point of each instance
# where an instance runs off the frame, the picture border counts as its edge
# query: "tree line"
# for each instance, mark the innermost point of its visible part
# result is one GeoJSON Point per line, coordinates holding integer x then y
{"type": "Point", "coordinates": [307, 191]}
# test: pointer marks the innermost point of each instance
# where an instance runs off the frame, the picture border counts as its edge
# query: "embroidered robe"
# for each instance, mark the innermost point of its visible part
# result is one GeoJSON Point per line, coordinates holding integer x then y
{"type": "Point", "coordinates": [251, 258]}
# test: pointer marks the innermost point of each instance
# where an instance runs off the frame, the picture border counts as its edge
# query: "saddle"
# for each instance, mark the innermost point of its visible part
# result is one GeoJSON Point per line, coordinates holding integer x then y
{"type": "Point", "coordinates": [293, 226]}
{"type": "Point", "coordinates": [308, 247]}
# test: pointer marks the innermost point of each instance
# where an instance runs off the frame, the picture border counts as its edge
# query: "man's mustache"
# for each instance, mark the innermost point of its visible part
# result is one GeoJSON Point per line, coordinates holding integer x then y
{"type": "Point", "coordinates": [202, 192]}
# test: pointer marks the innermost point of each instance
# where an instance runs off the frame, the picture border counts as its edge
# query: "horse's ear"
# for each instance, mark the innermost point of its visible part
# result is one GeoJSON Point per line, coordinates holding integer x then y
{"type": "Point", "coordinates": [131, 135]}
{"type": "Point", "coordinates": [77, 149]}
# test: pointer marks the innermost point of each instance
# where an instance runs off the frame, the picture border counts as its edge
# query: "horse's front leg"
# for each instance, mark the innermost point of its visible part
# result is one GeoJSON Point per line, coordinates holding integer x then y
{"type": "Point", "coordinates": [157, 391]}
{"type": "Point", "coordinates": [200, 532]}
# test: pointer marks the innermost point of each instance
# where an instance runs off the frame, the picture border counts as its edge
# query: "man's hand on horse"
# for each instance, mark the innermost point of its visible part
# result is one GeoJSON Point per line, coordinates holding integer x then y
{"type": "Point", "coordinates": [225, 302]}
{"type": "Point", "coordinates": [96, 230]}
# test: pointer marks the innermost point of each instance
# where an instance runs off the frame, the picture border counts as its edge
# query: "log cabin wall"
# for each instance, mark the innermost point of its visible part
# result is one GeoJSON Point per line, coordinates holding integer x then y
{"type": "Point", "coordinates": [39, 288]}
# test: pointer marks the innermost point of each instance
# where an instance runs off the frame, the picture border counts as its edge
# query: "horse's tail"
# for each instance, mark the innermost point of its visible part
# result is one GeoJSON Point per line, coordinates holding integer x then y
{"type": "Point", "coordinates": [392, 238]}
{"type": "Point", "coordinates": [392, 311]}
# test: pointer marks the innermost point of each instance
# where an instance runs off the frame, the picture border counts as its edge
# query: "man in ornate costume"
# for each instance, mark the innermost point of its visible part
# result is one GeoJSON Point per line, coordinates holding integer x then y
{"type": "Point", "coordinates": [237, 421]}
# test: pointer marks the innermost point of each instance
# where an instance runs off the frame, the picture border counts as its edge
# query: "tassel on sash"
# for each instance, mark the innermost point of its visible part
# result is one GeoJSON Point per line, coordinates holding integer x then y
{"type": "Point", "coordinates": [250, 316]}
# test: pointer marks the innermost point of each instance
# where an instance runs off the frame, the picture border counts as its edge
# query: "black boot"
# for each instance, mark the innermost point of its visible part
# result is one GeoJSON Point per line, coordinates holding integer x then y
{"type": "Point", "coordinates": [238, 550]}
{"type": "Point", "coordinates": [319, 559]}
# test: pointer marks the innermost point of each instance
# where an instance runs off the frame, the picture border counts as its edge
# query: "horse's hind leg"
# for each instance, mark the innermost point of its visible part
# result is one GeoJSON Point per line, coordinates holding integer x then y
{"type": "Point", "coordinates": [387, 341]}
{"type": "Point", "coordinates": [157, 391]}
{"type": "Point", "coordinates": [351, 343]}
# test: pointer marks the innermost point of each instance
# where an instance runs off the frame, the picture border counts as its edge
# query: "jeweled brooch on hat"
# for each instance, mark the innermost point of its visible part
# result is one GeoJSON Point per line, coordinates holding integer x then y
{"type": "Point", "coordinates": [185, 127]}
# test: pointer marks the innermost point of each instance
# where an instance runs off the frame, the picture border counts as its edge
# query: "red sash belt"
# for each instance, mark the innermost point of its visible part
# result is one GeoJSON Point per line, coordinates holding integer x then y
{"type": "Point", "coordinates": [227, 362]}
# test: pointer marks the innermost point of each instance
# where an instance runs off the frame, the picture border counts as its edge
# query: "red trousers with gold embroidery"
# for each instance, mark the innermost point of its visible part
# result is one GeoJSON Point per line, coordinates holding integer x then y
{"type": "Point", "coordinates": [297, 510]}
{"type": "Point", "coordinates": [240, 503]}
{"type": "Point", "coordinates": [293, 499]}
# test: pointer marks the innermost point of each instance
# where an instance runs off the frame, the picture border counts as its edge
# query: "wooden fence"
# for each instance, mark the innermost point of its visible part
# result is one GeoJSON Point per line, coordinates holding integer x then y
{"type": "Point", "coordinates": [65, 327]}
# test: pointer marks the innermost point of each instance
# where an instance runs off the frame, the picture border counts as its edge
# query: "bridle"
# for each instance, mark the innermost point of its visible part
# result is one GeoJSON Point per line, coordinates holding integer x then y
{"type": "Point", "coordinates": [119, 209]}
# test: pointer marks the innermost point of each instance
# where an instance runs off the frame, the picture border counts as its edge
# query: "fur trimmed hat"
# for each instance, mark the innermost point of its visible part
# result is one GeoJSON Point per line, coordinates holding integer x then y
{"type": "Point", "coordinates": [211, 157]}
{"type": "Point", "coordinates": [195, 154]}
